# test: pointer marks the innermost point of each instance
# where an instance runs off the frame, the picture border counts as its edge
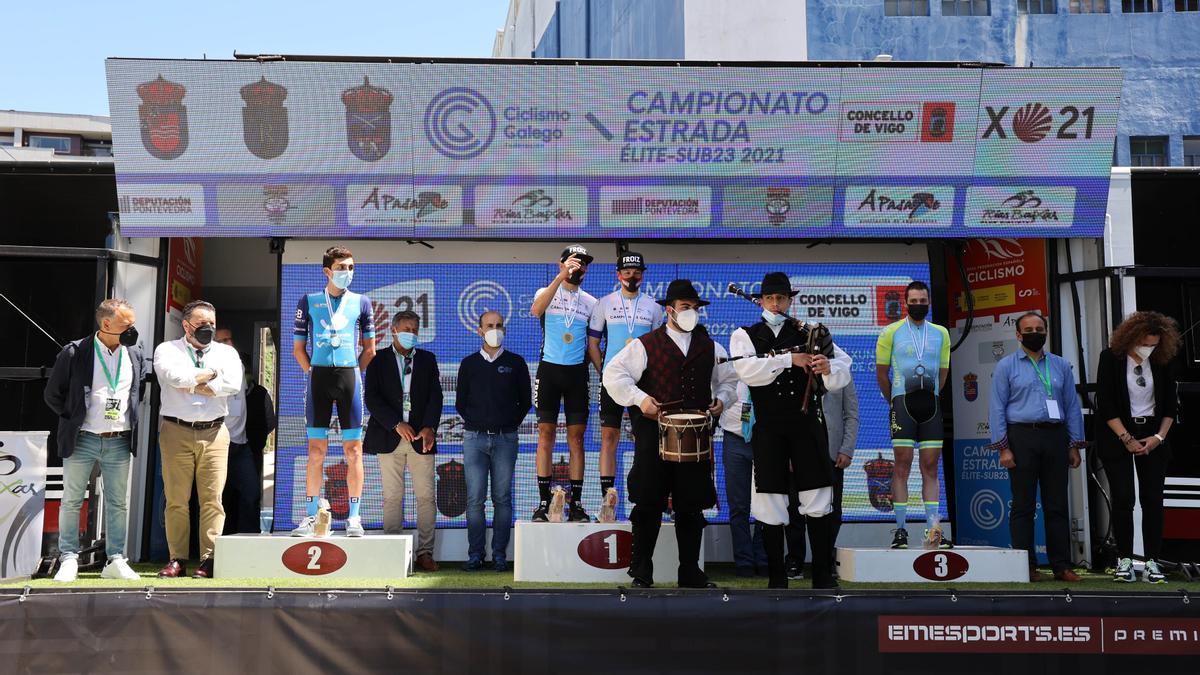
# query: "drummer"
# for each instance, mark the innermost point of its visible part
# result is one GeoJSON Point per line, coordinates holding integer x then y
{"type": "Point", "coordinates": [671, 369]}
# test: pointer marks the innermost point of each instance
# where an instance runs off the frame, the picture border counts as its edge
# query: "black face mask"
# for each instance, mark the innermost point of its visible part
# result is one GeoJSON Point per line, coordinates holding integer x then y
{"type": "Point", "coordinates": [631, 285]}
{"type": "Point", "coordinates": [575, 278]}
{"type": "Point", "coordinates": [128, 337]}
{"type": "Point", "coordinates": [1033, 341]}
{"type": "Point", "coordinates": [204, 334]}
{"type": "Point", "coordinates": [918, 312]}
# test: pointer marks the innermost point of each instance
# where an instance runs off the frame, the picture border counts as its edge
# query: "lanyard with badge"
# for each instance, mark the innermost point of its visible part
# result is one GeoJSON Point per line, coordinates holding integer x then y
{"type": "Point", "coordinates": [112, 404]}
{"type": "Point", "coordinates": [336, 320]}
{"type": "Point", "coordinates": [198, 361]}
{"type": "Point", "coordinates": [1051, 405]}
{"type": "Point", "coordinates": [631, 315]}
{"type": "Point", "coordinates": [405, 365]}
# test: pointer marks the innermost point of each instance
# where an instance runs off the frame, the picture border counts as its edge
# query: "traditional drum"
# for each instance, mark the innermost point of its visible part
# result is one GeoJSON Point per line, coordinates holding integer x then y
{"type": "Point", "coordinates": [685, 436]}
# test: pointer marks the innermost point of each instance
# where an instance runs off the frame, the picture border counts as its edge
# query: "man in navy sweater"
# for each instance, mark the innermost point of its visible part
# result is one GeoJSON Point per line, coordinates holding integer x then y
{"type": "Point", "coordinates": [493, 396]}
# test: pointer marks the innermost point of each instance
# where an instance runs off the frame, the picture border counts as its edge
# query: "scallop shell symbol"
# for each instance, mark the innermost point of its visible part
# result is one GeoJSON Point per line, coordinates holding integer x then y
{"type": "Point", "coordinates": [1032, 122]}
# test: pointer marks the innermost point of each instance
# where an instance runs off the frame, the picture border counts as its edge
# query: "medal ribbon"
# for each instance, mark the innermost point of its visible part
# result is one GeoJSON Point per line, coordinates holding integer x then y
{"type": "Point", "coordinates": [924, 339]}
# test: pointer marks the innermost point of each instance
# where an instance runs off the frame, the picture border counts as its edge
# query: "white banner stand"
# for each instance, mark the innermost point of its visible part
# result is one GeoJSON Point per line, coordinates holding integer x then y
{"type": "Point", "coordinates": [22, 501]}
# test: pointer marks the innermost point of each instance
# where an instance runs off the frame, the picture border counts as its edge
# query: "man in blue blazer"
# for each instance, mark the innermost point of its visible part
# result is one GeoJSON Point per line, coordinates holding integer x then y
{"type": "Point", "coordinates": [95, 389]}
{"type": "Point", "coordinates": [403, 394]}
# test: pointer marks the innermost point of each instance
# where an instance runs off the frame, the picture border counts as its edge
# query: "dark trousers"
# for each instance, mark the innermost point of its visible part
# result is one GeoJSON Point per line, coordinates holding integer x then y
{"type": "Point", "coordinates": [243, 491]}
{"type": "Point", "coordinates": [1151, 474]}
{"type": "Point", "coordinates": [738, 460]}
{"type": "Point", "coordinates": [651, 482]}
{"type": "Point", "coordinates": [1041, 457]}
{"type": "Point", "coordinates": [796, 523]}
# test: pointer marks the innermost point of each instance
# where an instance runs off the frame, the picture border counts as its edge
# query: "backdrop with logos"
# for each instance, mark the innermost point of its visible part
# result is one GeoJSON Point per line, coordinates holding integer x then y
{"type": "Point", "coordinates": [854, 299]}
{"type": "Point", "coordinates": [506, 150]}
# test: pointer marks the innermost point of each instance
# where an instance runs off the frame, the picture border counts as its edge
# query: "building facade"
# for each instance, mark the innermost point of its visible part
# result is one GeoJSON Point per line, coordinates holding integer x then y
{"type": "Point", "coordinates": [1156, 43]}
{"type": "Point", "coordinates": [34, 136]}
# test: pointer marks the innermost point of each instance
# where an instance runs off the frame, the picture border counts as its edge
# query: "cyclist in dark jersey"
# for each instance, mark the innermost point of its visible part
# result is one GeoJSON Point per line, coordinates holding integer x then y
{"type": "Point", "coordinates": [329, 318]}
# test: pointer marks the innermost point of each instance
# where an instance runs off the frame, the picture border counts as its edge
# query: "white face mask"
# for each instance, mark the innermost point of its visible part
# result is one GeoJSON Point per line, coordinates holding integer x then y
{"type": "Point", "coordinates": [772, 318]}
{"type": "Point", "coordinates": [494, 337]}
{"type": "Point", "coordinates": [1145, 351]}
{"type": "Point", "coordinates": [687, 320]}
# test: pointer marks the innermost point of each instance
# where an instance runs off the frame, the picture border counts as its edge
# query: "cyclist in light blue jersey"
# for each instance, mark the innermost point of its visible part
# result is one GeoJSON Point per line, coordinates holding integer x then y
{"type": "Point", "coordinates": [562, 376]}
{"type": "Point", "coordinates": [329, 318]}
{"type": "Point", "coordinates": [619, 318]}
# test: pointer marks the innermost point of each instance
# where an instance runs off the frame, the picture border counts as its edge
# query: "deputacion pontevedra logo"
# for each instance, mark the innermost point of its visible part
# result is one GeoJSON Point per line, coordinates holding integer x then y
{"type": "Point", "coordinates": [264, 119]}
{"type": "Point", "coordinates": [460, 123]}
{"type": "Point", "coordinates": [368, 121]}
{"type": "Point", "coordinates": [163, 118]}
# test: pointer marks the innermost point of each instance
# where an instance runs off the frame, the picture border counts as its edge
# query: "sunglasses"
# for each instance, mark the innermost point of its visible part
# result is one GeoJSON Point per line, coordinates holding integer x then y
{"type": "Point", "coordinates": [1141, 380]}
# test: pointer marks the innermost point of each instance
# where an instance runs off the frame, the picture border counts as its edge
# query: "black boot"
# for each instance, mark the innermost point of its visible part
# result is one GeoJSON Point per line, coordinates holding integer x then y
{"type": "Point", "coordinates": [689, 532]}
{"type": "Point", "coordinates": [776, 569]}
{"type": "Point", "coordinates": [820, 532]}
{"type": "Point", "coordinates": [646, 524]}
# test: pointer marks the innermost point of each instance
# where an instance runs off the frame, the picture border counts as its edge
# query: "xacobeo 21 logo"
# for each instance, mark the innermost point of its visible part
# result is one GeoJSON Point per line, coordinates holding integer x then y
{"type": "Point", "coordinates": [460, 123]}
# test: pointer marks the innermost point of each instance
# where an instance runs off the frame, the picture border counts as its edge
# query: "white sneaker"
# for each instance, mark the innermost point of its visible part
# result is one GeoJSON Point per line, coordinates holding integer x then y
{"type": "Point", "coordinates": [306, 527]}
{"type": "Point", "coordinates": [118, 568]}
{"type": "Point", "coordinates": [354, 527]}
{"type": "Point", "coordinates": [68, 570]}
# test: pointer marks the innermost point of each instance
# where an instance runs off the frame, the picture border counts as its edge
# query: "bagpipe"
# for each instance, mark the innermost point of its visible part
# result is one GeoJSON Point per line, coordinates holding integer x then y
{"type": "Point", "coordinates": [817, 340]}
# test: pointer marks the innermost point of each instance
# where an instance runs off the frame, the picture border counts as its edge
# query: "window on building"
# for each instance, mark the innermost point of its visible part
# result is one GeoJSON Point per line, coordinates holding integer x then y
{"type": "Point", "coordinates": [906, 7]}
{"type": "Point", "coordinates": [1140, 6]}
{"type": "Point", "coordinates": [966, 8]}
{"type": "Point", "coordinates": [6, 140]}
{"type": "Point", "coordinates": [1191, 150]}
{"type": "Point", "coordinates": [61, 145]}
{"type": "Point", "coordinates": [1147, 151]}
{"type": "Point", "coordinates": [97, 149]}
{"type": "Point", "coordinates": [1087, 6]}
{"type": "Point", "coordinates": [1037, 7]}
{"type": "Point", "coordinates": [1187, 5]}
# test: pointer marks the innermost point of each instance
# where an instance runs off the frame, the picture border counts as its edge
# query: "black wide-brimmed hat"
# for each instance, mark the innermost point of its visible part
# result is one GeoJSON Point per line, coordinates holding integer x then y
{"type": "Point", "coordinates": [682, 289]}
{"type": "Point", "coordinates": [578, 251]}
{"type": "Point", "coordinates": [775, 282]}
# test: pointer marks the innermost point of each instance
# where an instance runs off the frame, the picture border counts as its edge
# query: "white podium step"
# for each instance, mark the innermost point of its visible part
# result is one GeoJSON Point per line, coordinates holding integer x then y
{"type": "Point", "coordinates": [283, 556]}
{"type": "Point", "coordinates": [956, 565]}
{"type": "Point", "coordinates": [589, 552]}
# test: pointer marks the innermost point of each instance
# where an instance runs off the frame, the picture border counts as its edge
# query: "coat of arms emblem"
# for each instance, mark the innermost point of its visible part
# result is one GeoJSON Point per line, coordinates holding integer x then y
{"type": "Point", "coordinates": [264, 119]}
{"type": "Point", "coordinates": [368, 121]}
{"type": "Point", "coordinates": [162, 118]}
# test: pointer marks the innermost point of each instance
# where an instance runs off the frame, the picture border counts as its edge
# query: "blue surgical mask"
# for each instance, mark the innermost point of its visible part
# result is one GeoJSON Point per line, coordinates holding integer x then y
{"type": "Point", "coordinates": [342, 278]}
{"type": "Point", "coordinates": [407, 340]}
{"type": "Point", "coordinates": [772, 318]}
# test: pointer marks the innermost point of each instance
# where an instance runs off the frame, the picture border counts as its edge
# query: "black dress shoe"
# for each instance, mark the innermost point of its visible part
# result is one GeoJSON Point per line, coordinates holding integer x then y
{"type": "Point", "coordinates": [827, 584]}
{"type": "Point", "coordinates": [780, 584]}
{"type": "Point", "coordinates": [697, 584]}
{"type": "Point", "coordinates": [639, 582]}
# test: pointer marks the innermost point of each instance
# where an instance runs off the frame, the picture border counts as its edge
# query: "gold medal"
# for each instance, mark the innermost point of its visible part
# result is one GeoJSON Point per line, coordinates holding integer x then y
{"type": "Point", "coordinates": [568, 338]}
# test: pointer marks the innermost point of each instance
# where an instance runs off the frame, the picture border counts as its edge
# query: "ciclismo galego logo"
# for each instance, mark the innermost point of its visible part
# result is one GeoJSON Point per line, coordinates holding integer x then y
{"type": "Point", "coordinates": [460, 123]}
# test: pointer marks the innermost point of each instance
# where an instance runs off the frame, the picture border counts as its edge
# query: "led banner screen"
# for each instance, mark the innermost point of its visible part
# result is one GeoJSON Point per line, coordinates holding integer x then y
{"type": "Point", "coordinates": [521, 151]}
{"type": "Point", "coordinates": [855, 300]}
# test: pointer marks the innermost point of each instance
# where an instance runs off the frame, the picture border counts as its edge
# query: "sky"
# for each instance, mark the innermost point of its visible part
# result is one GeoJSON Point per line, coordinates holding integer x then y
{"type": "Point", "coordinates": [64, 73]}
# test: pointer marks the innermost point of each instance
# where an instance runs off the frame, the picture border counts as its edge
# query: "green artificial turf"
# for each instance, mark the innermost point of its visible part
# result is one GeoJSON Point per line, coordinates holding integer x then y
{"type": "Point", "coordinates": [451, 577]}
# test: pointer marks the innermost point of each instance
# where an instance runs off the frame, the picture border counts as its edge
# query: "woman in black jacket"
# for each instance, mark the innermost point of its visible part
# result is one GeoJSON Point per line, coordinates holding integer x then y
{"type": "Point", "coordinates": [1136, 405]}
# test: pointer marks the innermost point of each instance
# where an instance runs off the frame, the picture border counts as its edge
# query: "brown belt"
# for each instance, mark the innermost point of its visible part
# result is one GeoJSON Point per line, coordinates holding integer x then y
{"type": "Point", "coordinates": [106, 434]}
{"type": "Point", "coordinates": [199, 426]}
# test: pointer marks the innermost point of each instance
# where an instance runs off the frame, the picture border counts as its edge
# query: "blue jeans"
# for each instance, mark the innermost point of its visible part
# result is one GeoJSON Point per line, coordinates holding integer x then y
{"type": "Point", "coordinates": [738, 460]}
{"type": "Point", "coordinates": [495, 456]}
{"type": "Point", "coordinates": [113, 456]}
